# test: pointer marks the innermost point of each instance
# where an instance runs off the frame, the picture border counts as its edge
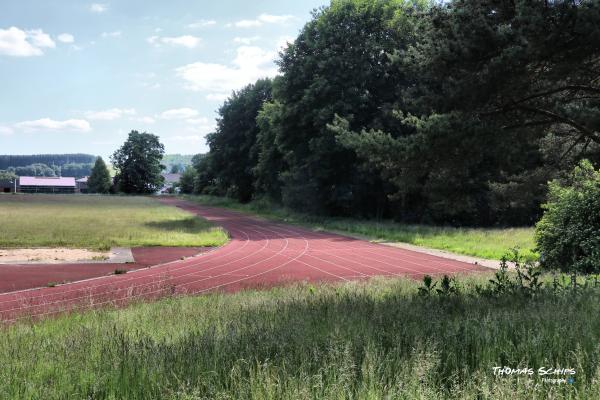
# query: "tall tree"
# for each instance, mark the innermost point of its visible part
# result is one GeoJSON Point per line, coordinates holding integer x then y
{"type": "Point", "coordinates": [339, 64]}
{"type": "Point", "coordinates": [232, 145]}
{"type": "Point", "coordinates": [500, 94]}
{"type": "Point", "coordinates": [270, 161]}
{"type": "Point", "coordinates": [138, 164]}
{"type": "Point", "coordinates": [99, 180]}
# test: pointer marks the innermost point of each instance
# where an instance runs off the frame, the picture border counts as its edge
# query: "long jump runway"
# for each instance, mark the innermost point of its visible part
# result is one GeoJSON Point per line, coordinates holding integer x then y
{"type": "Point", "coordinates": [259, 254]}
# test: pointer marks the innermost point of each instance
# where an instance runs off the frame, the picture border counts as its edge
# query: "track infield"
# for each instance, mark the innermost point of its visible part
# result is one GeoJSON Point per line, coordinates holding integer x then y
{"type": "Point", "coordinates": [260, 254]}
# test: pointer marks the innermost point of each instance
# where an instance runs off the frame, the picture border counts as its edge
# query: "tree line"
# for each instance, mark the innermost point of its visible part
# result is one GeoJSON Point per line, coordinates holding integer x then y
{"type": "Point", "coordinates": [39, 169]}
{"type": "Point", "coordinates": [7, 161]}
{"type": "Point", "coordinates": [458, 113]}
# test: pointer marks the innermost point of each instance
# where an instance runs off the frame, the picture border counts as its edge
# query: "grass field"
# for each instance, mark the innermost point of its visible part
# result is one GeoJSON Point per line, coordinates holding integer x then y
{"type": "Point", "coordinates": [487, 243]}
{"type": "Point", "coordinates": [375, 340]}
{"type": "Point", "coordinates": [99, 222]}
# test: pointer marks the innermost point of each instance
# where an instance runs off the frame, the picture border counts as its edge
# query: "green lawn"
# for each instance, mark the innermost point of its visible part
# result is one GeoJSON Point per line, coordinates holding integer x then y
{"type": "Point", "coordinates": [490, 243]}
{"type": "Point", "coordinates": [99, 222]}
{"type": "Point", "coordinates": [375, 340]}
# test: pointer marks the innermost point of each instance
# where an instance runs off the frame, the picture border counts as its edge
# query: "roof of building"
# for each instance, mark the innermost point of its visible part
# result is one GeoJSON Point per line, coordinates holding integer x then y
{"type": "Point", "coordinates": [82, 180]}
{"type": "Point", "coordinates": [46, 181]}
{"type": "Point", "coordinates": [171, 178]}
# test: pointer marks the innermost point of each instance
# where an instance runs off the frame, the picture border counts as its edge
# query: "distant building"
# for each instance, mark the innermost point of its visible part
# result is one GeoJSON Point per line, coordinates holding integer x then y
{"type": "Point", "coordinates": [45, 184]}
{"type": "Point", "coordinates": [82, 184]}
{"type": "Point", "coordinates": [7, 185]}
{"type": "Point", "coordinates": [171, 180]}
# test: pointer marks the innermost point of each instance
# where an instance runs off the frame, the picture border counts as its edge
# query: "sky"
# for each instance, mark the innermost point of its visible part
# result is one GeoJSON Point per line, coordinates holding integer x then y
{"type": "Point", "coordinates": [77, 76]}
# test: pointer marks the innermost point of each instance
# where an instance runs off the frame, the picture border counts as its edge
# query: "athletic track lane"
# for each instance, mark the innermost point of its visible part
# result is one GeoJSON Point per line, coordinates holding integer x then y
{"type": "Point", "coordinates": [260, 254]}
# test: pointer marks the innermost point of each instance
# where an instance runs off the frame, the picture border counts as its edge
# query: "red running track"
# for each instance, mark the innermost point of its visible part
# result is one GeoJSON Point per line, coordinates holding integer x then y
{"type": "Point", "coordinates": [260, 254]}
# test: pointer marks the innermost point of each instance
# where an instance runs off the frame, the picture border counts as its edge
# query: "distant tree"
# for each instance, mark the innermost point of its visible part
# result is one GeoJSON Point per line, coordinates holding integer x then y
{"type": "Point", "coordinates": [138, 164]}
{"type": "Point", "coordinates": [76, 170]}
{"type": "Point", "coordinates": [99, 180]}
{"type": "Point", "coordinates": [188, 180]}
{"type": "Point", "coordinates": [34, 170]}
{"type": "Point", "coordinates": [7, 161]}
{"type": "Point", "coordinates": [7, 175]}
{"type": "Point", "coordinates": [175, 168]}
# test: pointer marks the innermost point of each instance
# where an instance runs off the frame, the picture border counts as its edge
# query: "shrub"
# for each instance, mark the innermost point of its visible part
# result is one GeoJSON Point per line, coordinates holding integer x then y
{"type": "Point", "coordinates": [568, 235]}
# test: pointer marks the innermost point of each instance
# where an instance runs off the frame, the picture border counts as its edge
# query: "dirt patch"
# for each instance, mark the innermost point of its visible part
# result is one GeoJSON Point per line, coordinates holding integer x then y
{"type": "Point", "coordinates": [50, 256]}
{"type": "Point", "coordinates": [34, 275]}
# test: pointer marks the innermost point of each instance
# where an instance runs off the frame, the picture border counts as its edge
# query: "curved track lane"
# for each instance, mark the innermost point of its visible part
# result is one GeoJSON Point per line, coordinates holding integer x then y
{"type": "Point", "coordinates": [260, 254]}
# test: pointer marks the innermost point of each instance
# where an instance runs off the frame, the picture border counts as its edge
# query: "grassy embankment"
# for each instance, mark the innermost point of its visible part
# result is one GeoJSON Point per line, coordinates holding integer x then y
{"type": "Point", "coordinates": [370, 340]}
{"type": "Point", "coordinates": [490, 243]}
{"type": "Point", "coordinates": [99, 222]}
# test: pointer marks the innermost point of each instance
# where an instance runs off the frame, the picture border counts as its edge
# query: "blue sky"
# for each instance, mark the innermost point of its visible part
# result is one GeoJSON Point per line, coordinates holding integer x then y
{"type": "Point", "coordinates": [77, 76]}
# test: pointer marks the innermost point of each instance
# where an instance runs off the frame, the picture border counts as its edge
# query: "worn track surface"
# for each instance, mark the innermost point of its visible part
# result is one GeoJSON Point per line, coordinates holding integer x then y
{"type": "Point", "coordinates": [260, 254]}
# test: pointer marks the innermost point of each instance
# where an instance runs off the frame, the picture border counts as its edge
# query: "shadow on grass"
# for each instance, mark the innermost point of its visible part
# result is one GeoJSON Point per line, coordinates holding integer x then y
{"type": "Point", "coordinates": [187, 225]}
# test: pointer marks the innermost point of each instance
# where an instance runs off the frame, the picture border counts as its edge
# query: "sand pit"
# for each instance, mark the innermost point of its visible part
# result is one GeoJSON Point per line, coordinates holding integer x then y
{"type": "Point", "coordinates": [50, 256]}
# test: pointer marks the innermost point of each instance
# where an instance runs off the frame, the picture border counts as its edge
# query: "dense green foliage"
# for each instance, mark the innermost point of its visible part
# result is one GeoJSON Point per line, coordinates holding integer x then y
{"type": "Point", "coordinates": [100, 222]}
{"type": "Point", "coordinates": [456, 112]}
{"type": "Point", "coordinates": [138, 164]}
{"type": "Point", "coordinates": [233, 144]}
{"type": "Point", "coordinates": [187, 180]}
{"type": "Point", "coordinates": [568, 235]}
{"type": "Point", "coordinates": [375, 340]}
{"type": "Point", "coordinates": [99, 180]}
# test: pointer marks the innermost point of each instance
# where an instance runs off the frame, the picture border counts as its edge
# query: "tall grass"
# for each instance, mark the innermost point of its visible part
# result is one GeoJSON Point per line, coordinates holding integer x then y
{"type": "Point", "coordinates": [370, 340]}
{"type": "Point", "coordinates": [99, 222]}
{"type": "Point", "coordinates": [490, 243]}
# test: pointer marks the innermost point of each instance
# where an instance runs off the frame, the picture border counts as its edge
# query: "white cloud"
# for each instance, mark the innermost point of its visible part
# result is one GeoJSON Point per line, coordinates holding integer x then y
{"type": "Point", "coordinates": [186, 41]}
{"type": "Point", "coordinates": [41, 39]}
{"type": "Point", "coordinates": [219, 97]}
{"type": "Point", "coordinates": [47, 124]}
{"type": "Point", "coordinates": [6, 130]}
{"type": "Point", "coordinates": [98, 8]}
{"type": "Point", "coordinates": [146, 120]}
{"type": "Point", "coordinates": [110, 114]}
{"type": "Point", "coordinates": [179, 113]}
{"type": "Point", "coordinates": [114, 34]}
{"type": "Point", "coordinates": [251, 63]}
{"type": "Point", "coordinates": [263, 19]}
{"type": "Point", "coordinates": [247, 23]}
{"type": "Point", "coordinates": [203, 23]}
{"type": "Point", "coordinates": [66, 38]}
{"type": "Point", "coordinates": [246, 40]}
{"type": "Point", "coordinates": [19, 43]}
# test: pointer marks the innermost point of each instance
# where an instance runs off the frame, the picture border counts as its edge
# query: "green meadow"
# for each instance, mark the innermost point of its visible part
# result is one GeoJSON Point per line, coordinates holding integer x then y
{"type": "Point", "coordinates": [99, 222]}
{"type": "Point", "coordinates": [372, 340]}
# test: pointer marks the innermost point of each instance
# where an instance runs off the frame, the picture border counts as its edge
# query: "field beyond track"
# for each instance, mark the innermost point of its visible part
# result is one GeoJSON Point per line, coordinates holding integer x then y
{"type": "Point", "coordinates": [100, 222]}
